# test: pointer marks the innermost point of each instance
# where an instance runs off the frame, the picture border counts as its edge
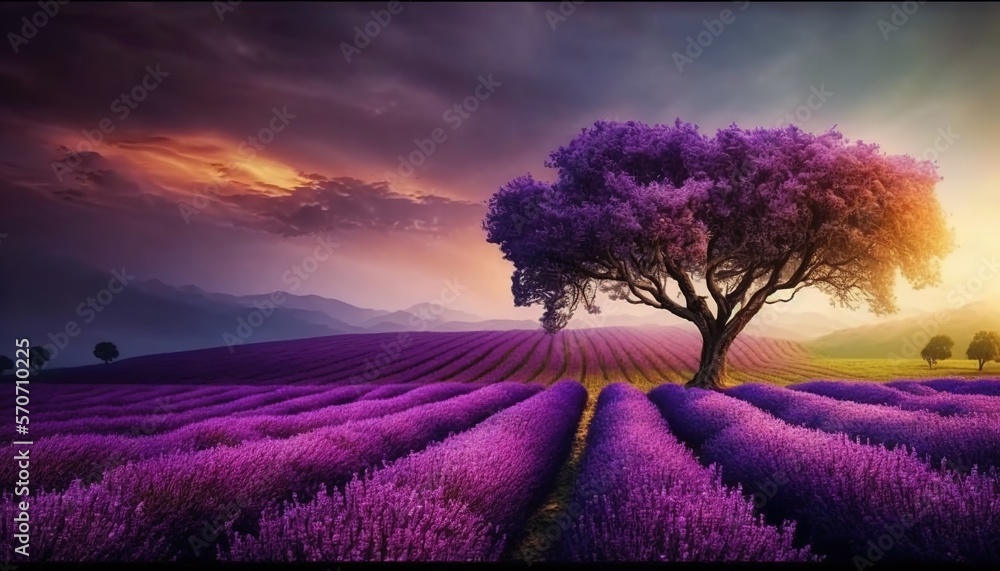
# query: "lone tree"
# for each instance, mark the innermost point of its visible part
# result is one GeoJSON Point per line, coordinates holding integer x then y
{"type": "Point", "coordinates": [985, 346]}
{"type": "Point", "coordinates": [5, 364]}
{"type": "Point", "coordinates": [106, 351]}
{"type": "Point", "coordinates": [937, 349]}
{"type": "Point", "coordinates": [733, 222]}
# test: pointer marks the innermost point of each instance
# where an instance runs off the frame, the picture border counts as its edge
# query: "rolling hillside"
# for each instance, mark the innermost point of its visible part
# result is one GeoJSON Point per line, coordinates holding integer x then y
{"type": "Point", "coordinates": [904, 338]}
{"type": "Point", "coordinates": [644, 356]}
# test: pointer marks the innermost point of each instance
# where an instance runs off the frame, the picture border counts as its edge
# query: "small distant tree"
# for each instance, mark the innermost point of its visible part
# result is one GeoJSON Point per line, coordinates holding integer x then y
{"type": "Point", "coordinates": [38, 357]}
{"type": "Point", "coordinates": [985, 346]}
{"type": "Point", "coordinates": [5, 363]}
{"type": "Point", "coordinates": [937, 349]}
{"type": "Point", "coordinates": [106, 351]}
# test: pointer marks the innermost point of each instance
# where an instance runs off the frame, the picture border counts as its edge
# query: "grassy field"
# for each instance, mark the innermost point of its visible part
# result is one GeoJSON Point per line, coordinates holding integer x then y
{"type": "Point", "coordinates": [890, 369]}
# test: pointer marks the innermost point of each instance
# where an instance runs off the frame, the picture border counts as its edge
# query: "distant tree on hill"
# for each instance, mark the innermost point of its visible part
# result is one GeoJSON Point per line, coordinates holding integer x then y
{"type": "Point", "coordinates": [937, 349]}
{"type": "Point", "coordinates": [985, 346]}
{"type": "Point", "coordinates": [106, 351]}
{"type": "Point", "coordinates": [5, 363]}
{"type": "Point", "coordinates": [711, 229]}
{"type": "Point", "coordinates": [38, 357]}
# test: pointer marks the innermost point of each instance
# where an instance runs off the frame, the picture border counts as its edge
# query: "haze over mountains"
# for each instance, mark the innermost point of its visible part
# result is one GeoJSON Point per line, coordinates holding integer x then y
{"type": "Point", "coordinates": [150, 316]}
{"type": "Point", "coordinates": [905, 338]}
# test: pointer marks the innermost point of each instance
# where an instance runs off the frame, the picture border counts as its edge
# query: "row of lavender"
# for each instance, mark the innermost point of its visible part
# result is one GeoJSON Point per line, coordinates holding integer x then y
{"type": "Point", "coordinates": [852, 501]}
{"type": "Point", "coordinates": [959, 441]}
{"type": "Point", "coordinates": [320, 494]}
{"type": "Point", "coordinates": [643, 496]}
{"type": "Point", "coordinates": [459, 500]}
{"type": "Point", "coordinates": [159, 508]}
{"type": "Point", "coordinates": [943, 396]}
{"type": "Point", "coordinates": [86, 455]}
{"type": "Point", "coordinates": [279, 480]}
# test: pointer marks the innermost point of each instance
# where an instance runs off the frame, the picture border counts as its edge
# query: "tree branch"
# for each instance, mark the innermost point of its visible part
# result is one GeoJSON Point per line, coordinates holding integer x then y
{"type": "Point", "coordinates": [743, 316]}
{"type": "Point", "coordinates": [654, 288]}
{"type": "Point", "coordinates": [739, 293]}
{"type": "Point", "coordinates": [799, 272]}
{"type": "Point", "coordinates": [724, 309]}
{"type": "Point", "coordinates": [797, 290]}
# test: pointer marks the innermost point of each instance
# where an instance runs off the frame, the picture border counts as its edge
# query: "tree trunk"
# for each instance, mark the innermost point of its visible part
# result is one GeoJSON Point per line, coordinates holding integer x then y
{"type": "Point", "coordinates": [712, 370]}
{"type": "Point", "coordinates": [981, 363]}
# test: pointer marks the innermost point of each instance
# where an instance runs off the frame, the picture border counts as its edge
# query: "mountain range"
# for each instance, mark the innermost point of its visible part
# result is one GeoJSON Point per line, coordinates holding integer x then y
{"type": "Point", "coordinates": [150, 316]}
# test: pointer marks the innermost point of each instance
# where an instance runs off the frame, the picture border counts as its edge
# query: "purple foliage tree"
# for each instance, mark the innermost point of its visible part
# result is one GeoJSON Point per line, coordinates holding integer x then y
{"type": "Point", "coordinates": [711, 229]}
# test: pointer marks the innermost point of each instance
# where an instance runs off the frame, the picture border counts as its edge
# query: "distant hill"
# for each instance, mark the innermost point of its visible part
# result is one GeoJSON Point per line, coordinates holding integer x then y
{"type": "Point", "coordinates": [145, 317]}
{"type": "Point", "coordinates": [801, 325]}
{"type": "Point", "coordinates": [150, 316]}
{"type": "Point", "coordinates": [906, 337]}
{"type": "Point", "coordinates": [438, 313]}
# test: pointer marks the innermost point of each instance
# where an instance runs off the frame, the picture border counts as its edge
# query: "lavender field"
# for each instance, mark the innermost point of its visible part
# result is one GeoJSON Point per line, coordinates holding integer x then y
{"type": "Point", "coordinates": [516, 447]}
{"type": "Point", "coordinates": [644, 356]}
{"type": "Point", "coordinates": [554, 283]}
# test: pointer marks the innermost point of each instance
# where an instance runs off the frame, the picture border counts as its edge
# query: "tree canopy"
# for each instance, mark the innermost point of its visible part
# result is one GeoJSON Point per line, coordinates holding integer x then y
{"type": "Point", "coordinates": [937, 349]}
{"type": "Point", "coordinates": [106, 351]}
{"type": "Point", "coordinates": [985, 346]}
{"type": "Point", "coordinates": [711, 229]}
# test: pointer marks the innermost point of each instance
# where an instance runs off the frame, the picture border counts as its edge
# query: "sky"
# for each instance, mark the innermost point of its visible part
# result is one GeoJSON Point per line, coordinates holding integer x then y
{"type": "Point", "coordinates": [221, 146]}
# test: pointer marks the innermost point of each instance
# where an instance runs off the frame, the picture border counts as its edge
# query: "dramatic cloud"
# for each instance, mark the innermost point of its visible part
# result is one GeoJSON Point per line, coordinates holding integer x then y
{"type": "Point", "coordinates": [346, 203]}
{"type": "Point", "coordinates": [167, 104]}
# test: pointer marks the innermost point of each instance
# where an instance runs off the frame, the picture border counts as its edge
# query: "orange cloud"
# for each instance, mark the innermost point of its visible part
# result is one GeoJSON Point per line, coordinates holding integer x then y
{"type": "Point", "coordinates": [184, 163]}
